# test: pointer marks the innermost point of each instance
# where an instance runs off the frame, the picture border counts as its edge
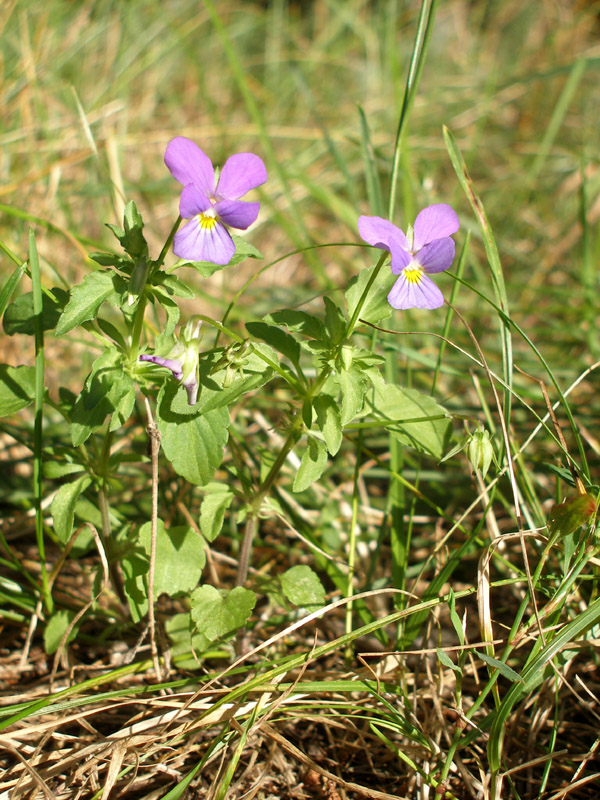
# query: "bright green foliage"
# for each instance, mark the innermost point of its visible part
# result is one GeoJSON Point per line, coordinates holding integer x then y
{"type": "Point", "coordinates": [56, 628]}
{"type": "Point", "coordinates": [568, 517]}
{"type": "Point", "coordinates": [219, 615]}
{"type": "Point", "coordinates": [312, 466]}
{"type": "Point", "coordinates": [86, 299]}
{"type": "Point", "coordinates": [376, 307]}
{"type": "Point", "coordinates": [17, 388]}
{"type": "Point", "coordinates": [216, 501]}
{"type": "Point", "coordinates": [63, 507]}
{"type": "Point", "coordinates": [18, 317]}
{"type": "Point", "coordinates": [302, 587]}
{"type": "Point", "coordinates": [329, 421]}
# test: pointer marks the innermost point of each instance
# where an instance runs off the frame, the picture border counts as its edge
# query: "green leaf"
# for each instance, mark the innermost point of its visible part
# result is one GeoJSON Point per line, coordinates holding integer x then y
{"type": "Point", "coordinates": [217, 500]}
{"type": "Point", "coordinates": [173, 285]}
{"type": "Point", "coordinates": [63, 507]}
{"type": "Point", "coordinates": [55, 630]}
{"type": "Point", "coordinates": [299, 322]}
{"type": "Point", "coordinates": [86, 298]}
{"type": "Point", "coordinates": [329, 421]}
{"type": "Point", "coordinates": [17, 388]}
{"type": "Point", "coordinates": [135, 568]}
{"type": "Point", "coordinates": [131, 238]}
{"type": "Point", "coordinates": [568, 517]}
{"type": "Point", "coordinates": [445, 659]}
{"type": "Point", "coordinates": [192, 441]}
{"type": "Point", "coordinates": [10, 285]}
{"type": "Point", "coordinates": [353, 384]}
{"type": "Point", "coordinates": [108, 389]}
{"type": "Point", "coordinates": [218, 388]}
{"type": "Point", "coordinates": [219, 616]}
{"type": "Point", "coordinates": [180, 558]}
{"type": "Point", "coordinates": [243, 250]}
{"type": "Point", "coordinates": [302, 587]}
{"type": "Point", "coordinates": [312, 465]}
{"type": "Point", "coordinates": [502, 668]}
{"type": "Point", "coordinates": [280, 340]}
{"type": "Point", "coordinates": [413, 418]}
{"type": "Point", "coordinates": [335, 321]}
{"type": "Point", "coordinates": [19, 316]}
{"type": "Point", "coordinates": [170, 307]}
{"type": "Point", "coordinates": [376, 306]}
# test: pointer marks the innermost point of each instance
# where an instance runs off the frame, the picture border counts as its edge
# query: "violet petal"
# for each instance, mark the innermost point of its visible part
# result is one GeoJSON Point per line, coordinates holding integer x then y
{"type": "Point", "coordinates": [237, 213]}
{"type": "Point", "coordinates": [198, 243]}
{"type": "Point", "coordinates": [193, 201]}
{"type": "Point", "coordinates": [408, 294]}
{"type": "Point", "coordinates": [240, 173]}
{"type": "Point", "coordinates": [169, 363]}
{"type": "Point", "coordinates": [378, 232]}
{"type": "Point", "coordinates": [189, 164]}
{"type": "Point", "coordinates": [400, 258]}
{"type": "Point", "coordinates": [437, 256]}
{"type": "Point", "coordinates": [434, 222]}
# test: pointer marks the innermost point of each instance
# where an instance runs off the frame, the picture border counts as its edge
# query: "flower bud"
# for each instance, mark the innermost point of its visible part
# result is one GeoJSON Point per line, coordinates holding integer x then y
{"type": "Point", "coordinates": [480, 451]}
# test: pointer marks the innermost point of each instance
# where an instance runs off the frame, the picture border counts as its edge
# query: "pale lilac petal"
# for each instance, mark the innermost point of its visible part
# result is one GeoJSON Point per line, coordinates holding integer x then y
{"type": "Point", "coordinates": [237, 213]}
{"type": "Point", "coordinates": [400, 258]}
{"type": "Point", "coordinates": [188, 164]}
{"type": "Point", "coordinates": [406, 294]}
{"type": "Point", "coordinates": [434, 222]}
{"type": "Point", "coordinates": [240, 173]}
{"type": "Point", "coordinates": [378, 232]}
{"type": "Point", "coordinates": [169, 363]}
{"type": "Point", "coordinates": [191, 387]}
{"type": "Point", "coordinates": [437, 256]}
{"type": "Point", "coordinates": [193, 201]}
{"type": "Point", "coordinates": [198, 243]}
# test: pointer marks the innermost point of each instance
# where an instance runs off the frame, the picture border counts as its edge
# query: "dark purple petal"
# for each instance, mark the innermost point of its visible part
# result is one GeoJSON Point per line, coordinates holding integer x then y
{"type": "Point", "coordinates": [378, 232]}
{"type": "Point", "coordinates": [437, 256]}
{"type": "Point", "coordinates": [434, 222]}
{"type": "Point", "coordinates": [196, 242]}
{"type": "Point", "coordinates": [188, 164]}
{"type": "Point", "coordinates": [193, 201]}
{"type": "Point", "coordinates": [237, 213]}
{"type": "Point", "coordinates": [240, 173]}
{"type": "Point", "coordinates": [422, 293]}
{"type": "Point", "coordinates": [400, 258]}
{"type": "Point", "coordinates": [169, 363]}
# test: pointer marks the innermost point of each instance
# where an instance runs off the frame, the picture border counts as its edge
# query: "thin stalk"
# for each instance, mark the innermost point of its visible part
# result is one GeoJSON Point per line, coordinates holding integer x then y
{"type": "Point", "coordinates": [154, 434]}
{"type": "Point", "coordinates": [352, 547]}
{"type": "Point", "coordinates": [36, 281]}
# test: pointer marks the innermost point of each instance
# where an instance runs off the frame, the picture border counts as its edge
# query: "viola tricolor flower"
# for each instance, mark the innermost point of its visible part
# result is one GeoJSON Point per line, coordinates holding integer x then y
{"type": "Point", "coordinates": [182, 359]}
{"type": "Point", "coordinates": [425, 249]}
{"type": "Point", "coordinates": [211, 201]}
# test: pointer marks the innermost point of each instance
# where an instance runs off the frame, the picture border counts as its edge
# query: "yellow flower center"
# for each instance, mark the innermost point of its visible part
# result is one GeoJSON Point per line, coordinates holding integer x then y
{"type": "Point", "coordinates": [413, 275]}
{"type": "Point", "coordinates": [208, 219]}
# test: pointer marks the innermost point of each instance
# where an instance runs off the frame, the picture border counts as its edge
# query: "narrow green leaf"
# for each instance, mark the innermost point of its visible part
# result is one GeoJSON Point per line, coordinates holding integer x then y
{"type": "Point", "coordinates": [55, 630]}
{"type": "Point", "coordinates": [298, 322]}
{"type": "Point", "coordinates": [9, 286]}
{"type": "Point", "coordinates": [329, 421]}
{"type": "Point", "coordinates": [445, 659]}
{"type": "Point", "coordinates": [502, 668]}
{"type": "Point", "coordinates": [217, 500]}
{"type": "Point", "coordinates": [283, 342]}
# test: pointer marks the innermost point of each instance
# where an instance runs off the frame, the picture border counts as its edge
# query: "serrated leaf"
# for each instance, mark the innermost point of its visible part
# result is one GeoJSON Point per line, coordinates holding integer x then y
{"type": "Point", "coordinates": [180, 558]}
{"type": "Point", "coordinates": [217, 391]}
{"type": "Point", "coordinates": [299, 322]}
{"type": "Point", "coordinates": [335, 322]}
{"type": "Point", "coordinates": [86, 298]}
{"type": "Point", "coordinates": [108, 389]}
{"type": "Point", "coordinates": [376, 307]}
{"type": "Point", "coordinates": [329, 421]}
{"type": "Point", "coordinates": [312, 465]}
{"type": "Point", "coordinates": [17, 388]}
{"type": "Point", "coordinates": [174, 285]}
{"type": "Point", "coordinates": [55, 630]}
{"type": "Point", "coordinates": [353, 385]}
{"type": "Point", "coordinates": [217, 500]}
{"type": "Point", "coordinates": [20, 318]}
{"type": "Point", "coordinates": [413, 418]}
{"type": "Point", "coordinates": [192, 441]}
{"type": "Point", "coordinates": [302, 587]}
{"type": "Point", "coordinates": [278, 339]}
{"type": "Point", "coordinates": [63, 507]}
{"type": "Point", "coordinates": [170, 308]}
{"type": "Point", "coordinates": [568, 517]}
{"type": "Point", "coordinates": [218, 616]}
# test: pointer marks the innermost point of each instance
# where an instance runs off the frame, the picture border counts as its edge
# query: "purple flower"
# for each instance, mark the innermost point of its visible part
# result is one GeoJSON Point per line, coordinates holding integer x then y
{"type": "Point", "coordinates": [424, 249]}
{"type": "Point", "coordinates": [182, 359]}
{"type": "Point", "coordinates": [210, 201]}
